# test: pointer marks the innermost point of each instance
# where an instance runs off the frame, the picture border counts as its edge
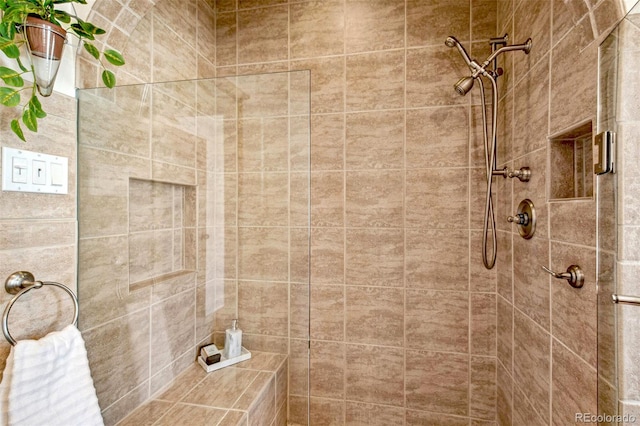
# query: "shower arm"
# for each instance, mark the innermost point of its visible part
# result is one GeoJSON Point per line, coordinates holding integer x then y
{"type": "Point", "coordinates": [477, 69]}
{"type": "Point", "coordinates": [526, 47]}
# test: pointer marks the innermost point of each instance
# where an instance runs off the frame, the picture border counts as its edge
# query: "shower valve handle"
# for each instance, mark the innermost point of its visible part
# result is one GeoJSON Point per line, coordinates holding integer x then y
{"type": "Point", "coordinates": [519, 219]}
{"type": "Point", "coordinates": [524, 173]}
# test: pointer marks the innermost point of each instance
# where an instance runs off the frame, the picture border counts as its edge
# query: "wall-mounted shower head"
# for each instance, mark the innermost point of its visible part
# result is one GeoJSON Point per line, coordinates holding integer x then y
{"type": "Point", "coordinates": [464, 85]}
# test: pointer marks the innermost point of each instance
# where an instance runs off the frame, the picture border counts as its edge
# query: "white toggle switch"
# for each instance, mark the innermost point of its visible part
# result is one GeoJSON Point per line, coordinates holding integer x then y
{"type": "Point", "coordinates": [19, 174]}
{"type": "Point", "coordinates": [39, 172]}
{"type": "Point", "coordinates": [27, 171]}
{"type": "Point", "coordinates": [57, 177]}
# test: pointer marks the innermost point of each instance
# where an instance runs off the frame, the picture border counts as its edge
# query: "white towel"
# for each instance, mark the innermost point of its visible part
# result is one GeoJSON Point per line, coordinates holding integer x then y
{"type": "Point", "coordinates": [48, 382]}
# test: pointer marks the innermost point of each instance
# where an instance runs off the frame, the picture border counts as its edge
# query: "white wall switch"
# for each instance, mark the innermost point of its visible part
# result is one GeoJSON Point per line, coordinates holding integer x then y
{"type": "Point", "coordinates": [28, 171]}
{"type": "Point", "coordinates": [39, 172]}
{"type": "Point", "coordinates": [58, 176]}
{"type": "Point", "coordinates": [19, 170]}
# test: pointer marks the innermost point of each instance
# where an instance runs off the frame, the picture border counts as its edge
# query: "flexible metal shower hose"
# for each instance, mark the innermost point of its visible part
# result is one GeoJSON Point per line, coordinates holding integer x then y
{"type": "Point", "coordinates": [490, 161]}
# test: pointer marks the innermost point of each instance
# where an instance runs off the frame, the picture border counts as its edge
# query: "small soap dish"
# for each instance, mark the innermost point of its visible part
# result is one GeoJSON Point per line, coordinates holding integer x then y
{"type": "Point", "coordinates": [224, 362]}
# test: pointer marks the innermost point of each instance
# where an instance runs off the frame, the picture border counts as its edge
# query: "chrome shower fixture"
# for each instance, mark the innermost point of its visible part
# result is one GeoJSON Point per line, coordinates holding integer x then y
{"type": "Point", "coordinates": [524, 173]}
{"type": "Point", "coordinates": [465, 84]}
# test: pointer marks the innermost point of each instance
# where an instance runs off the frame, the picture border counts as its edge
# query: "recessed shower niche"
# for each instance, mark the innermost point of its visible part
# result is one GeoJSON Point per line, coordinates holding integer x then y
{"type": "Point", "coordinates": [570, 161]}
{"type": "Point", "coordinates": [161, 232]}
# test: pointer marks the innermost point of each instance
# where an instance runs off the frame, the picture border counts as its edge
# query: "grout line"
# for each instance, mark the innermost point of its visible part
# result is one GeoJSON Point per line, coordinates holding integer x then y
{"type": "Point", "coordinates": [516, 387]}
{"type": "Point", "coordinates": [404, 223]}
{"type": "Point", "coordinates": [555, 340]}
{"type": "Point", "coordinates": [470, 130]}
{"type": "Point", "coordinates": [344, 205]}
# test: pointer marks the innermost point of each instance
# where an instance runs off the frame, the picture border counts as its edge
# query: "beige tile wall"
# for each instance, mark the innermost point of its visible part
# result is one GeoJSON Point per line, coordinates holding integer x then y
{"type": "Point", "coordinates": [389, 179]}
{"type": "Point", "coordinates": [391, 162]}
{"type": "Point", "coordinates": [547, 332]}
{"type": "Point", "coordinates": [392, 159]}
{"type": "Point", "coordinates": [140, 338]}
{"type": "Point", "coordinates": [38, 231]}
{"type": "Point", "coordinates": [373, 65]}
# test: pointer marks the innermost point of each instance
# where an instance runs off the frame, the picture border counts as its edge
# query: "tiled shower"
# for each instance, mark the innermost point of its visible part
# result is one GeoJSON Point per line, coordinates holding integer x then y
{"type": "Point", "coordinates": [202, 219]}
{"type": "Point", "coordinates": [389, 316]}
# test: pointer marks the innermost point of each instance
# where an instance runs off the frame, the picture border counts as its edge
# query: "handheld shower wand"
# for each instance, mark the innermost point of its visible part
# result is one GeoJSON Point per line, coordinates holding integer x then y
{"type": "Point", "coordinates": [464, 86]}
{"type": "Point", "coordinates": [451, 41]}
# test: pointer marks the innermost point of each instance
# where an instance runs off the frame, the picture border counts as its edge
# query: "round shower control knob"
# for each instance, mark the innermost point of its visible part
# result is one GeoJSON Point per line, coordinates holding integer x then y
{"type": "Point", "coordinates": [525, 219]}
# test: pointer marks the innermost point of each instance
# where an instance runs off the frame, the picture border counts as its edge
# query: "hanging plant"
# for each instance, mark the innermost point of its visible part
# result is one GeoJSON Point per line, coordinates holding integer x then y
{"type": "Point", "coordinates": [38, 25]}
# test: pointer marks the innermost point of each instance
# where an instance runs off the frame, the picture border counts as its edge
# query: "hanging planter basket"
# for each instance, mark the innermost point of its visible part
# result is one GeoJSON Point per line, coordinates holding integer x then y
{"type": "Point", "coordinates": [37, 24]}
{"type": "Point", "coordinates": [45, 43]}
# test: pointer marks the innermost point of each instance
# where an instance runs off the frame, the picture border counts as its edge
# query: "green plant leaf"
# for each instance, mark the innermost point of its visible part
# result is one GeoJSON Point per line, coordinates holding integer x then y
{"type": "Point", "coordinates": [114, 57]}
{"type": "Point", "coordinates": [86, 29]}
{"type": "Point", "coordinates": [9, 97]}
{"type": "Point", "coordinates": [80, 32]}
{"type": "Point", "coordinates": [14, 16]}
{"type": "Point", "coordinates": [15, 126]}
{"type": "Point", "coordinates": [36, 107]}
{"type": "Point", "coordinates": [62, 16]}
{"type": "Point", "coordinates": [90, 28]}
{"type": "Point", "coordinates": [92, 50]}
{"type": "Point", "coordinates": [19, 11]}
{"type": "Point", "coordinates": [5, 42]}
{"type": "Point", "coordinates": [10, 49]}
{"type": "Point", "coordinates": [30, 120]}
{"type": "Point", "coordinates": [109, 79]}
{"type": "Point", "coordinates": [7, 30]}
{"type": "Point", "coordinates": [11, 77]}
{"type": "Point", "coordinates": [22, 67]}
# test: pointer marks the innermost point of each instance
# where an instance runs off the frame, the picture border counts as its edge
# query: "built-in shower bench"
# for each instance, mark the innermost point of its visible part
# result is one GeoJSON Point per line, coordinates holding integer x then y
{"type": "Point", "coordinates": [252, 392]}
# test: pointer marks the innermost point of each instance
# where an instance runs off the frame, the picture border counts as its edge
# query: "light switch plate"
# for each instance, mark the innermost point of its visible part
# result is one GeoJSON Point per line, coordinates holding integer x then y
{"type": "Point", "coordinates": [28, 171]}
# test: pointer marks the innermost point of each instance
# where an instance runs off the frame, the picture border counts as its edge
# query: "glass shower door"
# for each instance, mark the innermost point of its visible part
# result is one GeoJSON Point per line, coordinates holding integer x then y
{"type": "Point", "coordinates": [194, 211]}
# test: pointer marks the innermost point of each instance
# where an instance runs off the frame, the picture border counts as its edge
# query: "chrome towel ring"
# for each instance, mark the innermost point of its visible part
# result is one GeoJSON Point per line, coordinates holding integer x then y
{"type": "Point", "coordinates": [22, 282]}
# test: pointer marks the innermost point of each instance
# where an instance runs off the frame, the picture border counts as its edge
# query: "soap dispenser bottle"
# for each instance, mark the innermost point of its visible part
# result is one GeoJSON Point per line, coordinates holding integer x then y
{"type": "Point", "coordinates": [233, 341]}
